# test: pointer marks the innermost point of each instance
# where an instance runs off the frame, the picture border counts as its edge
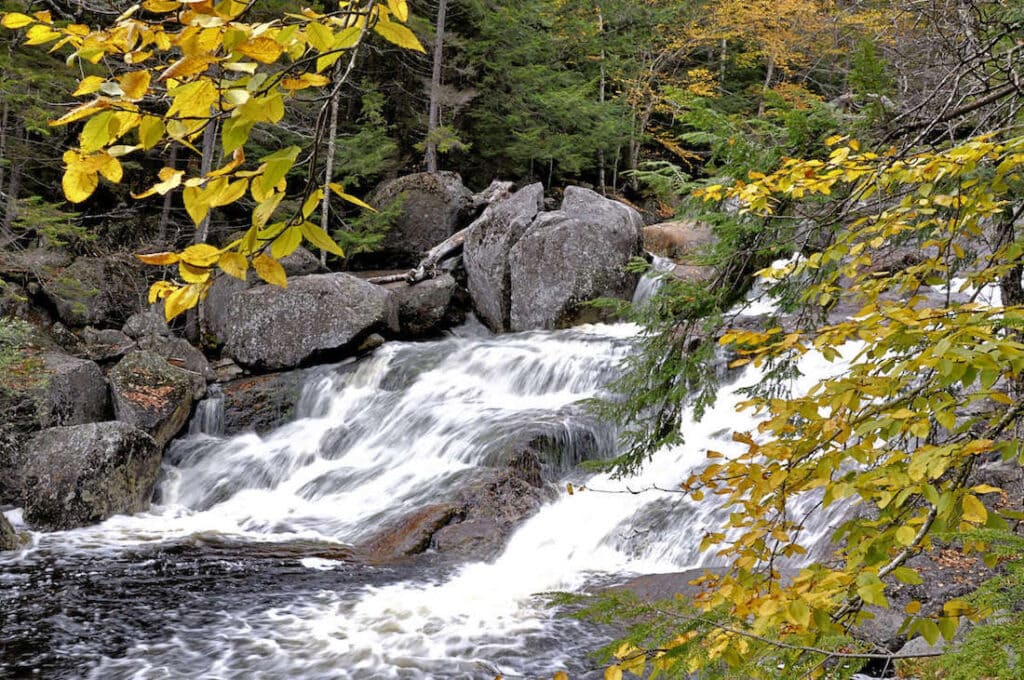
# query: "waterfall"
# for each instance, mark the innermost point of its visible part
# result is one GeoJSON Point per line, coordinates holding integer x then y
{"type": "Point", "coordinates": [651, 282]}
{"type": "Point", "coordinates": [209, 416]}
{"type": "Point", "coordinates": [195, 588]}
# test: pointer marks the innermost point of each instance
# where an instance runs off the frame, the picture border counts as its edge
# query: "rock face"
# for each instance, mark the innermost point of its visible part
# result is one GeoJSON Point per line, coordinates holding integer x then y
{"type": "Point", "coordinates": [179, 352]}
{"type": "Point", "coordinates": [427, 307]}
{"type": "Point", "coordinates": [144, 324]}
{"type": "Point", "coordinates": [432, 205]}
{"type": "Point", "coordinates": [571, 256]}
{"type": "Point", "coordinates": [316, 314]}
{"type": "Point", "coordinates": [83, 474]}
{"type": "Point", "coordinates": [486, 252]}
{"type": "Point", "coordinates": [75, 392]}
{"type": "Point", "coordinates": [96, 291]}
{"type": "Point", "coordinates": [476, 522]}
{"type": "Point", "coordinates": [153, 395]}
{"type": "Point", "coordinates": [8, 539]}
{"type": "Point", "coordinates": [105, 345]}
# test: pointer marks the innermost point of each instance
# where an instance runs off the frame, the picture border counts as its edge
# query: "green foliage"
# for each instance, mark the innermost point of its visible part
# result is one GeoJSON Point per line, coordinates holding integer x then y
{"type": "Point", "coordinates": [55, 226]}
{"type": "Point", "coordinates": [365, 232]}
{"type": "Point", "coordinates": [869, 72]}
{"type": "Point", "coordinates": [368, 151]}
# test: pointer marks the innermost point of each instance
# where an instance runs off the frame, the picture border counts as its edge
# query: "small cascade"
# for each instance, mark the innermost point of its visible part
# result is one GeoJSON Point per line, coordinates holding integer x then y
{"type": "Point", "coordinates": [209, 416]}
{"type": "Point", "coordinates": [652, 281]}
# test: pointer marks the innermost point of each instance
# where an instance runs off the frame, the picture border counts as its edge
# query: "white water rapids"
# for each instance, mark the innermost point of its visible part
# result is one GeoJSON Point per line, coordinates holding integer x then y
{"type": "Point", "coordinates": [369, 443]}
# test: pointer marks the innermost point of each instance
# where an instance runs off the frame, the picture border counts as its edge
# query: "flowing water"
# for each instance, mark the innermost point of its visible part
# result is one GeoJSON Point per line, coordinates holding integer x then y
{"type": "Point", "coordinates": [240, 570]}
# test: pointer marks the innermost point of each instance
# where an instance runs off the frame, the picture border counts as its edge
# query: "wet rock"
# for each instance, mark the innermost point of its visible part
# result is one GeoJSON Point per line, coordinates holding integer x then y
{"type": "Point", "coordinates": [413, 534]}
{"type": "Point", "coordinates": [96, 291]}
{"type": "Point", "coordinates": [105, 345]}
{"type": "Point", "coordinates": [571, 256]}
{"type": "Point", "coordinates": [427, 307]}
{"type": "Point", "coordinates": [8, 539]}
{"type": "Point", "coordinates": [680, 240]}
{"type": "Point", "coordinates": [477, 522]}
{"type": "Point", "coordinates": [486, 252]}
{"type": "Point", "coordinates": [261, 403]}
{"type": "Point", "coordinates": [179, 352]}
{"type": "Point", "coordinates": [80, 475]}
{"type": "Point", "coordinates": [316, 315]}
{"type": "Point", "coordinates": [145, 323]}
{"type": "Point", "coordinates": [432, 206]}
{"type": "Point", "coordinates": [153, 395]}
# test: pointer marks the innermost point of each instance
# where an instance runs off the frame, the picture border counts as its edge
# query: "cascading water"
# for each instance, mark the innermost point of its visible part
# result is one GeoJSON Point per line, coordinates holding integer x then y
{"type": "Point", "coordinates": [239, 571]}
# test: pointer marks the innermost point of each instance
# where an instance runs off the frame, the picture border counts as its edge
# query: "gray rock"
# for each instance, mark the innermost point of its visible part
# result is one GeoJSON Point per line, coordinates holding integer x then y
{"type": "Point", "coordinates": [14, 300]}
{"type": "Point", "coordinates": [152, 395]}
{"type": "Point", "coordinates": [571, 256]}
{"type": "Point", "coordinates": [426, 307]}
{"type": "Point", "coordinates": [107, 344]}
{"type": "Point", "coordinates": [145, 323]}
{"type": "Point", "coordinates": [432, 207]}
{"type": "Point", "coordinates": [96, 291]}
{"type": "Point", "coordinates": [316, 314]}
{"type": "Point", "coordinates": [179, 352]}
{"type": "Point", "coordinates": [486, 252]}
{"type": "Point", "coordinates": [80, 475]}
{"type": "Point", "coordinates": [8, 539]}
{"type": "Point", "coordinates": [300, 263]}
{"type": "Point", "coordinates": [496, 191]}
{"type": "Point", "coordinates": [75, 392]}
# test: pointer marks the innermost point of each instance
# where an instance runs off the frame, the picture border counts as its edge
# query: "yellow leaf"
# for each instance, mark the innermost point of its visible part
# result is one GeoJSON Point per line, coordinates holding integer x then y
{"type": "Point", "coordinates": [170, 179]}
{"type": "Point", "coordinates": [88, 85]}
{"type": "Point", "coordinates": [40, 34]}
{"type": "Point", "coordinates": [82, 111]}
{"type": "Point", "coordinates": [398, 34]}
{"type": "Point", "coordinates": [229, 193]}
{"type": "Point", "coordinates": [15, 20]}
{"type": "Point", "coordinates": [905, 535]}
{"type": "Point", "coordinates": [158, 258]}
{"type": "Point", "coordinates": [974, 510]}
{"type": "Point", "coordinates": [285, 244]}
{"type": "Point", "coordinates": [319, 37]}
{"type": "Point", "coordinates": [181, 300]}
{"type": "Point", "coordinates": [161, 6]}
{"type": "Point", "coordinates": [134, 84]}
{"type": "Point", "coordinates": [400, 9]}
{"type": "Point", "coordinates": [311, 202]}
{"type": "Point", "coordinates": [319, 238]}
{"type": "Point", "coordinates": [151, 131]}
{"type": "Point", "coordinates": [304, 81]}
{"type": "Point", "coordinates": [79, 182]}
{"type": "Point", "coordinates": [200, 255]}
{"type": "Point", "coordinates": [262, 49]}
{"type": "Point", "coordinates": [234, 264]}
{"type": "Point", "coordinates": [613, 673]}
{"type": "Point", "coordinates": [186, 67]}
{"type": "Point", "coordinates": [340, 191]}
{"type": "Point", "coordinates": [192, 274]}
{"type": "Point", "coordinates": [96, 132]}
{"type": "Point", "coordinates": [196, 204]}
{"type": "Point", "coordinates": [160, 289]}
{"type": "Point", "coordinates": [263, 212]}
{"type": "Point", "coordinates": [110, 167]}
{"type": "Point", "coordinates": [270, 270]}
{"type": "Point", "coordinates": [561, 675]}
{"type": "Point", "coordinates": [912, 607]}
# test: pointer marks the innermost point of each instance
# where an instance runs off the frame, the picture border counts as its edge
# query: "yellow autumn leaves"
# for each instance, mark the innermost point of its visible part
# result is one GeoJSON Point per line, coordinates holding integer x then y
{"type": "Point", "coordinates": [205, 68]}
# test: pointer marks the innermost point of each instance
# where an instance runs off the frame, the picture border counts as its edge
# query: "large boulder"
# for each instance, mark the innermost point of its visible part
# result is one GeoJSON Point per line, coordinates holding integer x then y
{"type": "Point", "coordinates": [179, 352]}
{"type": "Point", "coordinates": [96, 291]}
{"type": "Point", "coordinates": [261, 403]}
{"type": "Point", "coordinates": [432, 205]}
{"type": "Point", "coordinates": [153, 395]}
{"type": "Point", "coordinates": [427, 307]}
{"type": "Point", "coordinates": [73, 392]}
{"type": "Point", "coordinates": [571, 256]}
{"type": "Point", "coordinates": [80, 475]}
{"type": "Point", "coordinates": [270, 328]}
{"type": "Point", "coordinates": [488, 242]}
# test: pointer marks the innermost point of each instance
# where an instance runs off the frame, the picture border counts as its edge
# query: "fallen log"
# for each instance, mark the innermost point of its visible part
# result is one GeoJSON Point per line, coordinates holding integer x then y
{"type": "Point", "coordinates": [427, 268]}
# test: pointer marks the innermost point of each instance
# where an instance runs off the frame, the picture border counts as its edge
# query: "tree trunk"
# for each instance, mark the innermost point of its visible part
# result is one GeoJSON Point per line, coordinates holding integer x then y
{"type": "Point", "coordinates": [601, 99]}
{"type": "Point", "coordinates": [434, 114]}
{"type": "Point", "coordinates": [767, 85]}
{"type": "Point", "coordinates": [205, 167]}
{"type": "Point", "coordinates": [332, 133]}
{"type": "Point", "coordinates": [13, 188]}
{"type": "Point", "coordinates": [165, 210]}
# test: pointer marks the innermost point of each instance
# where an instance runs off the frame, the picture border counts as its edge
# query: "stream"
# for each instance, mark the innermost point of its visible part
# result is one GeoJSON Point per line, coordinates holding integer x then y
{"type": "Point", "coordinates": [239, 569]}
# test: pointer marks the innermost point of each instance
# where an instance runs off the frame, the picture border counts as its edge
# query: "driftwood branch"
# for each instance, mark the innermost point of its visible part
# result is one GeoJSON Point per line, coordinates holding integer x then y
{"type": "Point", "coordinates": [427, 268]}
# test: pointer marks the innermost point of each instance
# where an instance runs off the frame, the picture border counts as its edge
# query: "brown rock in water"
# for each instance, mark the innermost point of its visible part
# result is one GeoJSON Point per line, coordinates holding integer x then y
{"type": "Point", "coordinates": [153, 395]}
{"type": "Point", "coordinates": [8, 539]}
{"type": "Point", "coordinates": [681, 240]}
